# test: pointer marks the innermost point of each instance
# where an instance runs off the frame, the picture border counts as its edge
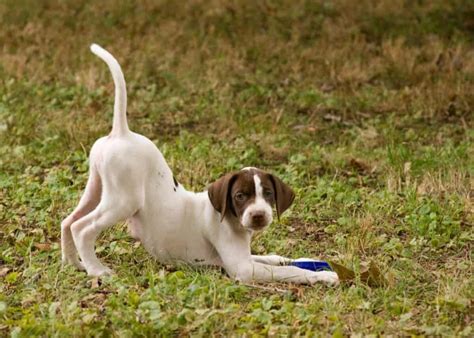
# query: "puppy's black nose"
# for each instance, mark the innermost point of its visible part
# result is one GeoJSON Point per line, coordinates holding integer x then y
{"type": "Point", "coordinates": [258, 217]}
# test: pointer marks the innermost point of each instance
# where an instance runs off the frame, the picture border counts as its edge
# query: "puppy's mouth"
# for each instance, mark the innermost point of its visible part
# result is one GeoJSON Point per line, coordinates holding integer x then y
{"type": "Point", "coordinates": [258, 226]}
{"type": "Point", "coordinates": [257, 222]}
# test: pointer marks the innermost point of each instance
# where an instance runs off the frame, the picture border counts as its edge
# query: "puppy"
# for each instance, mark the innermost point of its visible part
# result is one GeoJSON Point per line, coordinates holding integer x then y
{"type": "Point", "coordinates": [130, 180]}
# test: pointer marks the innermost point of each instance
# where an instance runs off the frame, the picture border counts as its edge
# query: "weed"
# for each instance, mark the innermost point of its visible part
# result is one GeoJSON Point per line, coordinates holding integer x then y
{"type": "Point", "coordinates": [364, 108]}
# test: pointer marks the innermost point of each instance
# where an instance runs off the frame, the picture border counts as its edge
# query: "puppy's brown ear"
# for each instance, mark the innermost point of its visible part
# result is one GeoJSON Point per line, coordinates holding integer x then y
{"type": "Point", "coordinates": [284, 195]}
{"type": "Point", "coordinates": [219, 194]}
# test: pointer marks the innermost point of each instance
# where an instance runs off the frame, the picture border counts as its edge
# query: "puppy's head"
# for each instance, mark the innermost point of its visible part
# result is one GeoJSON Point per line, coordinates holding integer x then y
{"type": "Point", "coordinates": [249, 195]}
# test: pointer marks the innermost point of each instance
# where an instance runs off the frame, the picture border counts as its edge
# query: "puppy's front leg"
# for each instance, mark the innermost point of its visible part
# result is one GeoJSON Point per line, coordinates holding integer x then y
{"type": "Point", "coordinates": [270, 273]}
{"type": "Point", "coordinates": [239, 264]}
{"type": "Point", "coordinates": [271, 259]}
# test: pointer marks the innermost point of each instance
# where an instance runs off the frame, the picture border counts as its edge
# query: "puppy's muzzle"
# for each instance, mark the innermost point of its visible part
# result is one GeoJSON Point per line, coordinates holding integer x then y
{"type": "Point", "coordinates": [259, 220]}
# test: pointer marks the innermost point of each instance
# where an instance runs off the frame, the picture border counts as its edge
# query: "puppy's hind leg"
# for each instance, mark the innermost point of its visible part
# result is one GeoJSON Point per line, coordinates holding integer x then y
{"type": "Point", "coordinates": [86, 230]}
{"type": "Point", "coordinates": [89, 201]}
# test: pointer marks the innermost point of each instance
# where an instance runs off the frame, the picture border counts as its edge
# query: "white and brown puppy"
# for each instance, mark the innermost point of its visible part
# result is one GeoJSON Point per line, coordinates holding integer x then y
{"type": "Point", "coordinates": [130, 180]}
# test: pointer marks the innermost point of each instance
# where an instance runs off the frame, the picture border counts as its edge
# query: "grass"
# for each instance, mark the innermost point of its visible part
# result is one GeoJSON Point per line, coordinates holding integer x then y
{"type": "Point", "coordinates": [365, 108]}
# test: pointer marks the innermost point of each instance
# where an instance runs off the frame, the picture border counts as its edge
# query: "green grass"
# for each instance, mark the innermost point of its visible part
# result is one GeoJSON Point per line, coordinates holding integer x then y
{"type": "Point", "coordinates": [365, 108]}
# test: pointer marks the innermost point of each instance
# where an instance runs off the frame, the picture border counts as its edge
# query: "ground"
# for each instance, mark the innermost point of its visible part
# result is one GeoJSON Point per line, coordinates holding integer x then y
{"type": "Point", "coordinates": [364, 107]}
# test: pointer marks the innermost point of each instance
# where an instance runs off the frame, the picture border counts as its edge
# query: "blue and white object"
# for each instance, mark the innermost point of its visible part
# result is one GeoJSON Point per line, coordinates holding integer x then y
{"type": "Point", "coordinates": [311, 264]}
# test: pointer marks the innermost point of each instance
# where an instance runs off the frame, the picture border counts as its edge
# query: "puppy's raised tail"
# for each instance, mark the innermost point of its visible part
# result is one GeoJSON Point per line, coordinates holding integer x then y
{"type": "Point", "coordinates": [120, 125]}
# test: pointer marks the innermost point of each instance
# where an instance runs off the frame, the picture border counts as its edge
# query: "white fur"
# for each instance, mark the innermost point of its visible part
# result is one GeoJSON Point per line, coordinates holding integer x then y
{"type": "Point", "coordinates": [130, 179]}
{"type": "Point", "coordinates": [260, 205]}
{"type": "Point", "coordinates": [120, 125]}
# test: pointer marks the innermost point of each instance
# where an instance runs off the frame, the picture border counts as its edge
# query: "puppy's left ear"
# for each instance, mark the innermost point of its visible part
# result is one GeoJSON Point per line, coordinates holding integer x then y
{"type": "Point", "coordinates": [284, 195]}
{"type": "Point", "coordinates": [219, 194]}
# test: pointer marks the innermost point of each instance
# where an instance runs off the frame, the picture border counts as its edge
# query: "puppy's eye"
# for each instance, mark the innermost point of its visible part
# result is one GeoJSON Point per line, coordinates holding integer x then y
{"type": "Point", "coordinates": [268, 193]}
{"type": "Point", "coordinates": [240, 196]}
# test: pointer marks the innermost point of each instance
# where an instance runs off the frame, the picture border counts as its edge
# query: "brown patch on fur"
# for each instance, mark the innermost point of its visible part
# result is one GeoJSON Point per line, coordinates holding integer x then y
{"type": "Point", "coordinates": [234, 192]}
{"type": "Point", "coordinates": [218, 193]}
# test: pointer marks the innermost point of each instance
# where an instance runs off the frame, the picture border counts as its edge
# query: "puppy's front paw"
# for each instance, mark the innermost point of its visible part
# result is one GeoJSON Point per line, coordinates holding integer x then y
{"type": "Point", "coordinates": [332, 278]}
{"type": "Point", "coordinates": [99, 271]}
{"type": "Point", "coordinates": [328, 277]}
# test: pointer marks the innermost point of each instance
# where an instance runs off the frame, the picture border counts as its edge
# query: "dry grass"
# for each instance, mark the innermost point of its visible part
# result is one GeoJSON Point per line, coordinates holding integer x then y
{"type": "Point", "coordinates": [364, 107]}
